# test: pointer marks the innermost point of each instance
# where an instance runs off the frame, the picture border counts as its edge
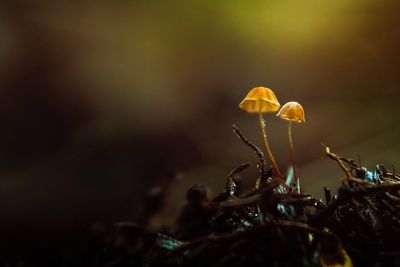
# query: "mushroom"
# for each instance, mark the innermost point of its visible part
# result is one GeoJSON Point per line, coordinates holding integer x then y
{"type": "Point", "coordinates": [292, 112]}
{"type": "Point", "coordinates": [262, 100]}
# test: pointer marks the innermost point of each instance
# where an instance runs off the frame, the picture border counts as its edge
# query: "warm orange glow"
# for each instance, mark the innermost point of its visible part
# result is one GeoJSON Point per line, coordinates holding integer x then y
{"type": "Point", "coordinates": [260, 99]}
{"type": "Point", "coordinates": [292, 111]}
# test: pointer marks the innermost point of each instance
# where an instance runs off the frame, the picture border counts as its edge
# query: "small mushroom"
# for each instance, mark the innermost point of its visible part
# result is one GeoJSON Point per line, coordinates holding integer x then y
{"type": "Point", "coordinates": [292, 112]}
{"type": "Point", "coordinates": [262, 100]}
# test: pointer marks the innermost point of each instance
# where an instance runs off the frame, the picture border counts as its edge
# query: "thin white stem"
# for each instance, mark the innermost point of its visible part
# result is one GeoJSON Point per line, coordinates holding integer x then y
{"type": "Point", "coordinates": [293, 157]}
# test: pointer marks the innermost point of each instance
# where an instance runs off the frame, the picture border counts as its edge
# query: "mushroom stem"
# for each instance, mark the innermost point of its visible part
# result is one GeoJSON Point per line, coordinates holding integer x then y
{"type": "Point", "coordinates": [264, 135]}
{"type": "Point", "coordinates": [293, 157]}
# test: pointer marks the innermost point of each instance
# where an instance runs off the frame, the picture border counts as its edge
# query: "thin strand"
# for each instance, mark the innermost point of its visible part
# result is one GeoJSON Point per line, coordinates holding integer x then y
{"type": "Point", "coordinates": [264, 135]}
{"type": "Point", "coordinates": [293, 158]}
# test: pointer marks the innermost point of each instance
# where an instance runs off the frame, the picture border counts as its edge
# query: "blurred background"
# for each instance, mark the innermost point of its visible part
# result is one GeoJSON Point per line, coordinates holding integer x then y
{"type": "Point", "coordinates": [100, 99]}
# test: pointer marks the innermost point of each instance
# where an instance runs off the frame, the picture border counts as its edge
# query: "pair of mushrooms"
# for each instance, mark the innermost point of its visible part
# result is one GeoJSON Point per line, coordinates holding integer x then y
{"type": "Point", "coordinates": [263, 100]}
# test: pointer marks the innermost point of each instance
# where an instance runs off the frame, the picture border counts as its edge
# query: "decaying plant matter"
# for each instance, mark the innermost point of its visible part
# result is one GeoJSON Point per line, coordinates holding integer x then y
{"type": "Point", "coordinates": [274, 225]}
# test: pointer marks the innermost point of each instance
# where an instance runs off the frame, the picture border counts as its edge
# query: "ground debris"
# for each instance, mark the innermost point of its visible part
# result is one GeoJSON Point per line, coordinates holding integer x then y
{"type": "Point", "coordinates": [273, 225]}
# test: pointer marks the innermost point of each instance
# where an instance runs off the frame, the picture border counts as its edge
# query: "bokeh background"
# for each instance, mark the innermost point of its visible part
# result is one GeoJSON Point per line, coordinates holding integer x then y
{"type": "Point", "coordinates": [100, 99]}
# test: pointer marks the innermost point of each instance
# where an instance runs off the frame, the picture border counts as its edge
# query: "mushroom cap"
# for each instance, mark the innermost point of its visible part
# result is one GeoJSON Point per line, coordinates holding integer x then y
{"type": "Point", "coordinates": [260, 99]}
{"type": "Point", "coordinates": [292, 111]}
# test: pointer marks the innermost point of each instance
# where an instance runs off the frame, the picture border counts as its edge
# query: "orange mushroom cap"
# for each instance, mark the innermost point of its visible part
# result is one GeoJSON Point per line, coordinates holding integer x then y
{"type": "Point", "coordinates": [292, 111]}
{"type": "Point", "coordinates": [260, 99]}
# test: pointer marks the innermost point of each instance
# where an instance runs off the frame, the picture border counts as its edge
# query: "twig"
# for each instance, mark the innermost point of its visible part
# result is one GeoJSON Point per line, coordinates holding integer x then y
{"type": "Point", "coordinates": [338, 159]}
{"type": "Point", "coordinates": [259, 230]}
{"type": "Point", "coordinates": [231, 187]}
{"type": "Point", "coordinates": [345, 194]}
{"type": "Point", "coordinates": [239, 168]}
{"type": "Point", "coordinates": [262, 165]}
{"type": "Point", "coordinates": [301, 200]}
{"type": "Point", "coordinates": [238, 202]}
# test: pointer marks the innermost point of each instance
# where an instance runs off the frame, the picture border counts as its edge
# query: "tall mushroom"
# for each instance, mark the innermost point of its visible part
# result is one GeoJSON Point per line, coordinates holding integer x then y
{"type": "Point", "coordinates": [262, 100]}
{"type": "Point", "coordinates": [292, 112]}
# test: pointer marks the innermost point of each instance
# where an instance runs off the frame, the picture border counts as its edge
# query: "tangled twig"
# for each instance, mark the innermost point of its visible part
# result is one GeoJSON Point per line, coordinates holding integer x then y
{"type": "Point", "coordinates": [262, 163]}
